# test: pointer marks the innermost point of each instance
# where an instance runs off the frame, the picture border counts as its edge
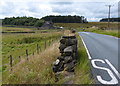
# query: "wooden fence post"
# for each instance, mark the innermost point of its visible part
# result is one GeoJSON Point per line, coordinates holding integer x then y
{"type": "Point", "coordinates": [37, 49]}
{"type": "Point", "coordinates": [11, 60]}
{"type": "Point", "coordinates": [40, 48]}
{"type": "Point", "coordinates": [52, 40]}
{"type": "Point", "coordinates": [19, 58]}
{"type": "Point", "coordinates": [33, 53]}
{"type": "Point", "coordinates": [45, 44]}
{"type": "Point", "coordinates": [49, 42]}
{"type": "Point", "coordinates": [27, 53]}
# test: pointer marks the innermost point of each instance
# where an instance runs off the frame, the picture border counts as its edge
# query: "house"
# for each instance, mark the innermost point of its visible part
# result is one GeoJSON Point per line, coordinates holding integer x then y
{"type": "Point", "coordinates": [48, 25]}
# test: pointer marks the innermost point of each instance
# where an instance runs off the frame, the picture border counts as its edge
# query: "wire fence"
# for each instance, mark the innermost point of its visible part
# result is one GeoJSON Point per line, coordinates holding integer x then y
{"type": "Point", "coordinates": [39, 48]}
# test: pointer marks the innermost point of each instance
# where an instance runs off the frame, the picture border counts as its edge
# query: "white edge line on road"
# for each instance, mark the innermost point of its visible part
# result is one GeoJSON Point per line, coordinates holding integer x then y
{"type": "Point", "coordinates": [113, 68]}
{"type": "Point", "coordinates": [86, 48]}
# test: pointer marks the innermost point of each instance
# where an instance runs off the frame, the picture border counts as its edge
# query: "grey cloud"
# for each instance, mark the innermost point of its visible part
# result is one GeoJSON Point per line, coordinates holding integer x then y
{"type": "Point", "coordinates": [62, 9]}
{"type": "Point", "coordinates": [33, 6]}
{"type": "Point", "coordinates": [96, 10]}
{"type": "Point", "coordinates": [61, 3]}
{"type": "Point", "coordinates": [90, 10]}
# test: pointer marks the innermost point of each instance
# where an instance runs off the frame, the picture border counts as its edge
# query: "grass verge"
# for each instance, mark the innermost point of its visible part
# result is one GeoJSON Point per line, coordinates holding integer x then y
{"type": "Point", "coordinates": [105, 32]}
{"type": "Point", "coordinates": [82, 69]}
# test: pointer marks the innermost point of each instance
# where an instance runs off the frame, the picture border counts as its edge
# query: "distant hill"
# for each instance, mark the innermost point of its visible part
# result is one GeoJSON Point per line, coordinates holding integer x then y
{"type": "Point", "coordinates": [65, 19]}
{"type": "Point", "coordinates": [111, 20]}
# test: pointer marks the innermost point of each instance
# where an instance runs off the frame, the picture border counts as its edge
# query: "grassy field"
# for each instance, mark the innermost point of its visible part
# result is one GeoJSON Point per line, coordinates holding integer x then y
{"type": "Point", "coordinates": [37, 70]}
{"type": "Point", "coordinates": [106, 32]}
{"type": "Point", "coordinates": [13, 29]}
{"type": "Point", "coordinates": [16, 44]}
{"type": "Point", "coordinates": [88, 25]}
{"type": "Point", "coordinates": [96, 27]}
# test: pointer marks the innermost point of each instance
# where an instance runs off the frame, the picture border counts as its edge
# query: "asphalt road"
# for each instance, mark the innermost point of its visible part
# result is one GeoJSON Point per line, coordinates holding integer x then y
{"type": "Point", "coordinates": [104, 57]}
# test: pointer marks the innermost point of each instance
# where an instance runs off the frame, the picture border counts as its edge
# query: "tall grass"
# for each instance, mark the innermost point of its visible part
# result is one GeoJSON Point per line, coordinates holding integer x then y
{"type": "Point", "coordinates": [35, 71]}
{"type": "Point", "coordinates": [82, 69]}
{"type": "Point", "coordinates": [82, 74]}
{"type": "Point", "coordinates": [16, 44]}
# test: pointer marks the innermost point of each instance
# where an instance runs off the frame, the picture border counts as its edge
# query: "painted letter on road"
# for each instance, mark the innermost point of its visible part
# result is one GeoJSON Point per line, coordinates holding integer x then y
{"type": "Point", "coordinates": [100, 79]}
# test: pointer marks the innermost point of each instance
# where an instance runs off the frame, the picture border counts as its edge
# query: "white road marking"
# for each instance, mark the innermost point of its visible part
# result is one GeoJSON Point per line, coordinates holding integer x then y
{"type": "Point", "coordinates": [86, 48]}
{"type": "Point", "coordinates": [100, 79]}
{"type": "Point", "coordinates": [86, 32]}
{"type": "Point", "coordinates": [113, 68]}
{"type": "Point", "coordinates": [111, 74]}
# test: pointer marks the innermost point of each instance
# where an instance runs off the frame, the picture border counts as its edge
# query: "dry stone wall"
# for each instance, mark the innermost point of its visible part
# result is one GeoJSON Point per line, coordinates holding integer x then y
{"type": "Point", "coordinates": [68, 49]}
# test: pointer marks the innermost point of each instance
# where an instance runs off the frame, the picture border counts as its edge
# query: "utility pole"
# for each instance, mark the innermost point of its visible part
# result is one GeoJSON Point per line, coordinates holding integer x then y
{"type": "Point", "coordinates": [109, 6]}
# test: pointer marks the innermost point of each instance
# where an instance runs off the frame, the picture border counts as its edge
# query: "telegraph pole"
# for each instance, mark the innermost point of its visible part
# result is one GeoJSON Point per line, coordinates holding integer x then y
{"type": "Point", "coordinates": [109, 6]}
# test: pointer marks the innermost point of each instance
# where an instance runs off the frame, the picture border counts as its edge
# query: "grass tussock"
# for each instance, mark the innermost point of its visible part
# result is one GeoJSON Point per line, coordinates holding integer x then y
{"type": "Point", "coordinates": [37, 70]}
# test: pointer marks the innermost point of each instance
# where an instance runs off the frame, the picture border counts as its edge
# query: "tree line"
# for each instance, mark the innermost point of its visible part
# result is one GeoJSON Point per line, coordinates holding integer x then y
{"type": "Point", "coordinates": [65, 19]}
{"type": "Point", "coordinates": [111, 20]}
{"type": "Point", "coordinates": [22, 21]}
{"type": "Point", "coordinates": [30, 21]}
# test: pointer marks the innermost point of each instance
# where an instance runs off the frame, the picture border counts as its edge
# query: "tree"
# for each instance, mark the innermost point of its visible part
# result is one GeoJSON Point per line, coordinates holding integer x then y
{"type": "Point", "coordinates": [20, 21]}
{"type": "Point", "coordinates": [39, 23]}
{"type": "Point", "coordinates": [65, 19]}
{"type": "Point", "coordinates": [111, 19]}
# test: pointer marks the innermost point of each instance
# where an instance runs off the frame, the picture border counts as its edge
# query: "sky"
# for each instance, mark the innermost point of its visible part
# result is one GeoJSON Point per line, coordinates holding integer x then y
{"type": "Point", "coordinates": [93, 10]}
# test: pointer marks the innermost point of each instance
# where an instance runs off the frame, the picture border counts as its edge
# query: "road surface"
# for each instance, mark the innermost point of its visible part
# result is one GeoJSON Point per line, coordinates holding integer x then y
{"type": "Point", "coordinates": [104, 56]}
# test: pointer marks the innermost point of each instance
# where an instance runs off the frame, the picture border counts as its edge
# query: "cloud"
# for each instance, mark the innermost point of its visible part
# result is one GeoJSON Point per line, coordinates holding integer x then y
{"type": "Point", "coordinates": [4, 9]}
{"type": "Point", "coordinates": [93, 10]}
{"type": "Point", "coordinates": [61, 3]}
